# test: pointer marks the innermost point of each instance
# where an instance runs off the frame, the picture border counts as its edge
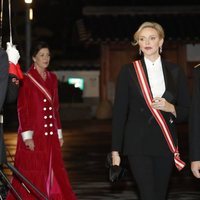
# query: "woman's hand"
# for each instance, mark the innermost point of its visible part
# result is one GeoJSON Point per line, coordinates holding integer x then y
{"type": "Point", "coordinates": [162, 104]}
{"type": "Point", "coordinates": [115, 158]}
{"type": "Point", "coordinates": [195, 168]}
{"type": "Point", "coordinates": [61, 141]}
{"type": "Point", "coordinates": [29, 143]}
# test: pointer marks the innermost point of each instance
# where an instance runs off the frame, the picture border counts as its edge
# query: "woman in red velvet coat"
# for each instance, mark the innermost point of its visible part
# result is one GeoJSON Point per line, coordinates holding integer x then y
{"type": "Point", "coordinates": [38, 155]}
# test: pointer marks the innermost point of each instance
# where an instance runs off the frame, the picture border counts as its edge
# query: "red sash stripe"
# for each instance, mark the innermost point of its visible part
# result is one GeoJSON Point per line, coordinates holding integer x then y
{"type": "Point", "coordinates": [41, 88]}
{"type": "Point", "coordinates": [157, 114]}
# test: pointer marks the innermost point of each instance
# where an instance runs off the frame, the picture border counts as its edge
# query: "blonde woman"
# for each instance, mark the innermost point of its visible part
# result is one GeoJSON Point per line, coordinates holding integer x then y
{"type": "Point", "coordinates": [151, 96]}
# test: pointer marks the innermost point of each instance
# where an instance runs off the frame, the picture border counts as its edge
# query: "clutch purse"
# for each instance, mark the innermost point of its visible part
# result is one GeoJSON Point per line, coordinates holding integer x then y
{"type": "Point", "coordinates": [115, 173]}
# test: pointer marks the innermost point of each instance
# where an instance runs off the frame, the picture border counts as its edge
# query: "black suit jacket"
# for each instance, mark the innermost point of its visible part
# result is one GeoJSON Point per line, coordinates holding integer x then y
{"type": "Point", "coordinates": [3, 92]}
{"type": "Point", "coordinates": [134, 129]}
{"type": "Point", "coordinates": [3, 76]}
{"type": "Point", "coordinates": [8, 94]}
{"type": "Point", "coordinates": [194, 123]}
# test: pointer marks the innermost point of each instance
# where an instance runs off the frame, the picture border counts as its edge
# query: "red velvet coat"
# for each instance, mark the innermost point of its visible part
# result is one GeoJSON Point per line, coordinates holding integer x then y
{"type": "Point", "coordinates": [39, 119]}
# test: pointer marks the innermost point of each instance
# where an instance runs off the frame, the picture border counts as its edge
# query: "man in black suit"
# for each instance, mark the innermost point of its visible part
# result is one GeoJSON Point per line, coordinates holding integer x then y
{"type": "Point", "coordinates": [194, 136]}
{"type": "Point", "coordinates": [9, 82]}
{"type": "Point", "coordinates": [10, 74]}
{"type": "Point", "coordinates": [3, 85]}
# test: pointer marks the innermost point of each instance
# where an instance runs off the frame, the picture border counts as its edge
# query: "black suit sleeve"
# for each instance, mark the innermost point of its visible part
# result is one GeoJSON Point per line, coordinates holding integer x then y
{"type": "Point", "coordinates": [3, 90]}
{"type": "Point", "coordinates": [194, 122]}
{"type": "Point", "coordinates": [3, 76]}
{"type": "Point", "coordinates": [120, 109]}
{"type": "Point", "coordinates": [183, 99]}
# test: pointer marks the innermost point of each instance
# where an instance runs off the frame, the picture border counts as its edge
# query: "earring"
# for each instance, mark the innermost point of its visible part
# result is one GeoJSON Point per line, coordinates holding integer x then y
{"type": "Point", "coordinates": [160, 50]}
{"type": "Point", "coordinates": [140, 52]}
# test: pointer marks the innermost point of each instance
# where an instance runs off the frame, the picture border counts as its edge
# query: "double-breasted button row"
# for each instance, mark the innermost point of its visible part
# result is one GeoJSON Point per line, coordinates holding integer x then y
{"type": "Point", "coordinates": [48, 118]}
{"type": "Point", "coordinates": [50, 108]}
{"type": "Point", "coordinates": [46, 125]}
{"type": "Point", "coordinates": [50, 133]}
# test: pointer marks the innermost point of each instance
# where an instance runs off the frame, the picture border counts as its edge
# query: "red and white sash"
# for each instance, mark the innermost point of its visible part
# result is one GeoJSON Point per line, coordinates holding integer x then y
{"type": "Point", "coordinates": [157, 114]}
{"type": "Point", "coordinates": [40, 87]}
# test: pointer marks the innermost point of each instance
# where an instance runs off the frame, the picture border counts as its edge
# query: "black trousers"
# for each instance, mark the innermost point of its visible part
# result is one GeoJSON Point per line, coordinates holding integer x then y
{"type": "Point", "coordinates": [151, 174]}
{"type": "Point", "coordinates": [2, 146]}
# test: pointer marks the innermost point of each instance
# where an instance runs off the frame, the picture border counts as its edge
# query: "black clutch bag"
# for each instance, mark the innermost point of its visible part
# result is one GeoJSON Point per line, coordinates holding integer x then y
{"type": "Point", "coordinates": [115, 173]}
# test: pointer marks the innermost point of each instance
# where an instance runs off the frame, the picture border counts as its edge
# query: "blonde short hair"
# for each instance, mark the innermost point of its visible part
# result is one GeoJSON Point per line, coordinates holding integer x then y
{"type": "Point", "coordinates": [153, 25]}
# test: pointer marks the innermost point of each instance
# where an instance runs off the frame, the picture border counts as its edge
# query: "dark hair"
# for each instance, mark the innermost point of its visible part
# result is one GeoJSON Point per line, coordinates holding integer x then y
{"type": "Point", "coordinates": [37, 47]}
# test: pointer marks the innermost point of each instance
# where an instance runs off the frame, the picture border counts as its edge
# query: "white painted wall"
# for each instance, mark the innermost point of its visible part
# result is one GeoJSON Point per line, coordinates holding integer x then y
{"type": "Point", "coordinates": [91, 80]}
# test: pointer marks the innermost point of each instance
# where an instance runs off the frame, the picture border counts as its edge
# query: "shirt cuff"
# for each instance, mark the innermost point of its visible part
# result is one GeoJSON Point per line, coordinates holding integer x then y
{"type": "Point", "coordinates": [60, 135]}
{"type": "Point", "coordinates": [27, 135]}
{"type": "Point", "coordinates": [1, 119]}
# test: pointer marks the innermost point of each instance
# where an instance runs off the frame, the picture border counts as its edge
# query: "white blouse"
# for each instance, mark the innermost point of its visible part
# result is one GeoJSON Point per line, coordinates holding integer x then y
{"type": "Point", "coordinates": [156, 77]}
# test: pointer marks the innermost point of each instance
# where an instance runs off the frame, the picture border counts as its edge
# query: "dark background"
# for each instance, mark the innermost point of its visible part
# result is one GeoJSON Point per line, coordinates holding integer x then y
{"type": "Point", "coordinates": [55, 22]}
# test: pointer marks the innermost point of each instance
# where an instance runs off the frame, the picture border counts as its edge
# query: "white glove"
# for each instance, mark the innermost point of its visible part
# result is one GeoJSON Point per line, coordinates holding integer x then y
{"type": "Point", "coordinates": [13, 53]}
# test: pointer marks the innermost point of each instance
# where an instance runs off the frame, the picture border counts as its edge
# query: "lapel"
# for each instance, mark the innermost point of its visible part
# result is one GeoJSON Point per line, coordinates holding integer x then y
{"type": "Point", "coordinates": [169, 93]}
{"type": "Point", "coordinates": [146, 74]}
{"type": "Point", "coordinates": [135, 79]}
{"type": "Point", "coordinates": [39, 82]}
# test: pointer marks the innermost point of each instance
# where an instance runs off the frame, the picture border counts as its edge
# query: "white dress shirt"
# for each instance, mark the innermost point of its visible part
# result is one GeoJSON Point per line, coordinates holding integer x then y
{"type": "Point", "coordinates": [156, 77]}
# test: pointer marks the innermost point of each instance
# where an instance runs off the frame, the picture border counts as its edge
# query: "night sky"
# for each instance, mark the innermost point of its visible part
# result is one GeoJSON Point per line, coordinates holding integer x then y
{"type": "Point", "coordinates": [55, 22]}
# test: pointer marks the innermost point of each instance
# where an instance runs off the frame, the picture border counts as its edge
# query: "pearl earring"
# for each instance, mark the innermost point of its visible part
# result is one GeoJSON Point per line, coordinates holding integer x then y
{"type": "Point", "coordinates": [160, 50]}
